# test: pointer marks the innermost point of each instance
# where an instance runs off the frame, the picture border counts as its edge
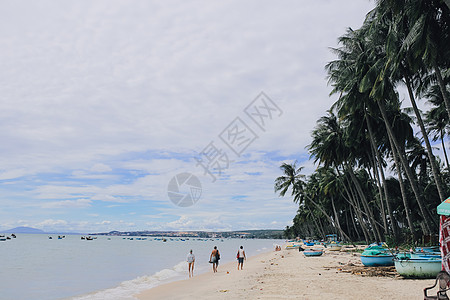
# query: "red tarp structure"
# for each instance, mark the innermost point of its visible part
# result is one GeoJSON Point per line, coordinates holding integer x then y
{"type": "Point", "coordinates": [444, 241]}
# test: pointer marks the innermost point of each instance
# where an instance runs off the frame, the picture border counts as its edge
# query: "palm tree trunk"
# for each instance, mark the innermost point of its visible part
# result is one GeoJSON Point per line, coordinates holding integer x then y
{"type": "Point", "coordinates": [409, 173]}
{"type": "Point", "coordinates": [328, 217]}
{"type": "Point", "coordinates": [318, 226]}
{"type": "Point", "coordinates": [354, 225]}
{"type": "Point", "coordinates": [380, 166]}
{"type": "Point", "coordinates": [442, 84]}
{"type": "Point", "coordinates": [364, 202]}
{"type": "Point", "coordinates": [338, 224]}
{"type": "Point", "coordinates": [402, 188]}
{"type": "Point", "coordinates": [443, 148]}
{"type": "Point", "coordinates": [355, 204]}
{"type": "Point", "coordinates": [434, 168]}
{"type": "Point", "coordinates": [376, 176]}
{"type": "Point", "coordinates": [448, 3]}
{"type": "Point", "coordinates": [380, 196]}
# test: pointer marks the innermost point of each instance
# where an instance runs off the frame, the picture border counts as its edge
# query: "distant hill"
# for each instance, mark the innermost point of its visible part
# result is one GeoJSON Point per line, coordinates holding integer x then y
{"type": "Point", "coordinates": [24, 230]}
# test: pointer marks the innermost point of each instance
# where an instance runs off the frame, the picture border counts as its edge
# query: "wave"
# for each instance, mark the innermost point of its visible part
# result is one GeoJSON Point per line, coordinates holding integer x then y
{"type": "Point", "coordinates": [126, 289]}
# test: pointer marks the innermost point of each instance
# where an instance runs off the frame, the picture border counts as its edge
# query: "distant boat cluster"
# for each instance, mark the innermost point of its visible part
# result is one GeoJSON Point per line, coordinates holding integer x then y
{"type": "Point", "coordinates": [4, 238]}
{"type": "Point", "coordinates": [163, 239]}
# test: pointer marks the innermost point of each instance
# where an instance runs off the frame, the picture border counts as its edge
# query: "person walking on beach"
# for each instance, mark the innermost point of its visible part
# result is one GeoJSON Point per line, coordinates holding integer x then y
{"type": "Point", "coordinates": [191, 260]}
{"type": "Point", "coordinates": [240, 257]}
{"type": "Point", "coordinates": [214, 258]}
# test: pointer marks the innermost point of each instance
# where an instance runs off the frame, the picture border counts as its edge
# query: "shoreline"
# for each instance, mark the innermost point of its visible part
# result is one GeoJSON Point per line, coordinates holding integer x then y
{"type": "Point", "coordinates": [177, 273]}
{"type": "Point", "coordinates": [229, 269]}
{"type": "Point", "coordinates": [289, 274]}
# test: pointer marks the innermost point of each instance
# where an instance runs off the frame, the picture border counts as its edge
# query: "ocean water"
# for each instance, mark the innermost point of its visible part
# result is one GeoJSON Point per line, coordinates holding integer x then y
{"type": "Point", "coordinates": [36, 267]}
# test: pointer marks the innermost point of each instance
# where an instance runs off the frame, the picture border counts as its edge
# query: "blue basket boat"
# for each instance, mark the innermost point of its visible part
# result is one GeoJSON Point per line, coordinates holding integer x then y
{"type": "Point", "coordinates": [377, 260]}
{"type": "Point", "coordinates": [377, 256]}
{"type": "Point", "coordinates": [313, 252]}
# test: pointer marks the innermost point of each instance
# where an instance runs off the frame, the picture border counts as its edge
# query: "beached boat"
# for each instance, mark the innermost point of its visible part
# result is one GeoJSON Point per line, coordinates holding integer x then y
{"type": "Point", "coordinates": [309, 244]}
{"type": "Point", "coordinates": [292, 246]}
{"type": "Point", "coordinates": [333, 246]}
{"type": "Point", "coordinates": [377, 260]}
{"type": "Point", "coordinates": [310, 252]}
{"type": "Point", "coordinates": [418, 267]}
{"type": "Point", "coordinates": [428, 249]}
{"type": "Point", "coordinates": [425, 255]}
{"type": "Point", "coordinates": [375, 256]}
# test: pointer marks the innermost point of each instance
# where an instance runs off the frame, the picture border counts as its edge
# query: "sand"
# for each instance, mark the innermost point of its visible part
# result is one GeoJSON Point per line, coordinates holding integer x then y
{"type": "Point", "coordinates": [288, 274]}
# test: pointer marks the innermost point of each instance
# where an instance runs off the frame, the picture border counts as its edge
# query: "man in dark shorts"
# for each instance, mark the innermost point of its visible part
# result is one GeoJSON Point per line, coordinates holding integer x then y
{"type": "Point", "coordinates": [214, 258]}
{"type": "Point", "coordinates": [240, 257]}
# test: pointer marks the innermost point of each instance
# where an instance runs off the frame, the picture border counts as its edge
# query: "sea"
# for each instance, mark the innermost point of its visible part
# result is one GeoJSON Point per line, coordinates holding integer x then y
{"type": "Point", "coordinates": [33, 266]}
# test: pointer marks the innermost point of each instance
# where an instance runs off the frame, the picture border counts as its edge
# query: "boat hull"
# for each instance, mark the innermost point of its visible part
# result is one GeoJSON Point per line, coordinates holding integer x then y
{"type": "Point", "coordinates": [334, 248]}
{"type": "Point", "coordinates": [418, 268]}
{"type": "Point", "coordinates": [425, 255]}
{"type": "Point", "coordinates": [312, 253]}
{"type": "Point", "coordinates": [377, 260]}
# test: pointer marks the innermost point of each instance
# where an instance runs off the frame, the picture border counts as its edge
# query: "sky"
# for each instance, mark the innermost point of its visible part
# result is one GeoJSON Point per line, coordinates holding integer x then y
{"type": "Point", "coordinates": [103, 104]}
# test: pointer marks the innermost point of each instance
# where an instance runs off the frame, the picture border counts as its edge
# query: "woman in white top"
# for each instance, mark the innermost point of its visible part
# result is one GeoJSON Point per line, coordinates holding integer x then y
{"type": "Point", "coordinates": [191, 259]}
{"type": "Point", "coordinates": [240, 257]}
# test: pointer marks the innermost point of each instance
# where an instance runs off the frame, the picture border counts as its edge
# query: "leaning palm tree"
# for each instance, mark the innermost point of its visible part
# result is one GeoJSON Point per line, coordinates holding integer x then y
{"type": "Point", "coordinates": [425, 26]}
{"type": "Point", "coordinates": [361, 62]}
{"type": "Point", "coordinates": [436, 119]}
{"type": "Point", "coordinates": [291, 179]}
{"type": "Point", "coordinates": [388, 35]}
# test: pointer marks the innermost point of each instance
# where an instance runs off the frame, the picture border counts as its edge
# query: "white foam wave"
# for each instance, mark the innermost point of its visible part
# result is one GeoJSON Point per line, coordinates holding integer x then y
{"type": "Point", "coordinates": [126, 289]}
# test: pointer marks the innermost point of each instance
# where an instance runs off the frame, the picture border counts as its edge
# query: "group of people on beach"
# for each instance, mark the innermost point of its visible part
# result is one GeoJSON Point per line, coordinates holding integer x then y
{"type": "Point", "coordinates": [214, 259]}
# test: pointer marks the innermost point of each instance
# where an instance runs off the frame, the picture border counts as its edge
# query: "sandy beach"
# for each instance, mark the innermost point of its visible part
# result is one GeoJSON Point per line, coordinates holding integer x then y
{"type": "Point", "coordinates": [288, 274]}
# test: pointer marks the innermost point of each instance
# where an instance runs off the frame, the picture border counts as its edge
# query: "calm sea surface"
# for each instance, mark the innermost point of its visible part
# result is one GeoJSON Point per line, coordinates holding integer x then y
{"type": "Point", "coordinates": [36, 267]}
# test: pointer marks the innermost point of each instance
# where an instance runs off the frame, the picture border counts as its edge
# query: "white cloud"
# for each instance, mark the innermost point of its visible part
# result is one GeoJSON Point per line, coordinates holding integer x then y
{"type": "Point", "coordinates": [79, 203]}
{"type": "Point", "coordinates": [100, 168]}
{"type": "Point", "coordinates": [97, 121]}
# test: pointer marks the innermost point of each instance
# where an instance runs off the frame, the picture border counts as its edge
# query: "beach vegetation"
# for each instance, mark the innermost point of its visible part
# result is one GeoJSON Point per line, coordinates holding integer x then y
{"type": "Point", "coordinates": [379, 176]}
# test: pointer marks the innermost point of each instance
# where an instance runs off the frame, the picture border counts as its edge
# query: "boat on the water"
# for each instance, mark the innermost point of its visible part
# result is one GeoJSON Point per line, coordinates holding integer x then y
{"type": "Point", "coordinates": [418, 267]}
{"type": "Point", "coordinates": [312, 252]}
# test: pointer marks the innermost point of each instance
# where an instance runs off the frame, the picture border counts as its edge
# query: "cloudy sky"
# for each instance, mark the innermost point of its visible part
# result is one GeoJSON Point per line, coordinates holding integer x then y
{"type": "Point", "coordinates": [104, 102]}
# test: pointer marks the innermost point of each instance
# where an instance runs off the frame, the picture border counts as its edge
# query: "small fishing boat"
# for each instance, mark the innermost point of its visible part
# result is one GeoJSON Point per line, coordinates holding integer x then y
{"type": "Point", "coordinates": [377, 260]}
{"type": "Point", "coordinates": [312, 252]}
{"type": "Point", "coordinates": [418, 267]}
{"type": "Point", "coordinates": [425, 255]}
{"type": "Point", "coordinates": [309, 243]}
{"type": "Point", "coordinates": [427, 249]}
{"type": "Point", "coordinates": [333, 247]}
{"type": "Point", "coordinates": [292, 246]}
{"type": "Point", "coordinates": [2, 238]}
{"type": "Point", "coordinates": [377, 256]}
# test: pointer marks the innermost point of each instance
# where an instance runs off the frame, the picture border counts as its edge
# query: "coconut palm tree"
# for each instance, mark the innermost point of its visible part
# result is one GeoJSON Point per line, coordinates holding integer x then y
{"type": "Point", "coordinates": [436, 119]}
{"type": "Point", "coordinates": [291, 179]}
{"type": "Point", "coordinates": [425, 34]}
